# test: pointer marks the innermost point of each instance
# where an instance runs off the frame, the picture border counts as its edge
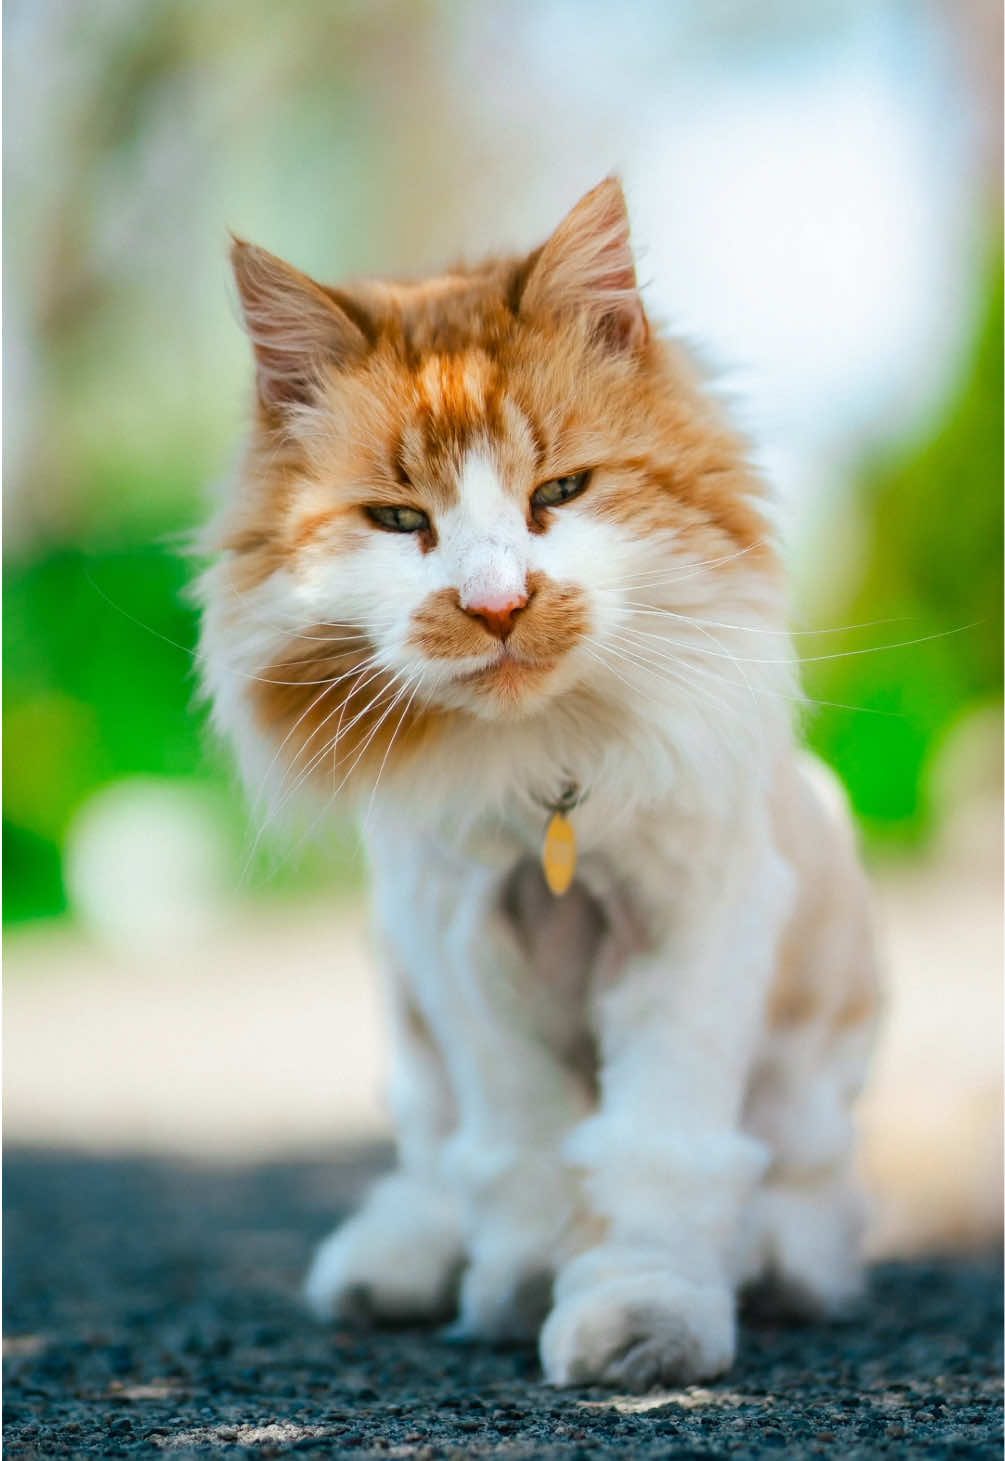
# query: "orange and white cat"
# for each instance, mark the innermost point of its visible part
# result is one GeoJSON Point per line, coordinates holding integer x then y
{"type": "Point", "coordinates": [493, 551]}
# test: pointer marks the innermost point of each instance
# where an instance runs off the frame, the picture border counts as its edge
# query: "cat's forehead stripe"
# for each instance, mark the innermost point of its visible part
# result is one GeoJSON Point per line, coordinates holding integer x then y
{"type": "Point", "coordinates": [455, 384]}
{"type": "Point", "coordinates": [524, 431]}
{"type": "Point", "coordinates": [462, 411]}
{"type": "Point", "coordinates": [456, 405]}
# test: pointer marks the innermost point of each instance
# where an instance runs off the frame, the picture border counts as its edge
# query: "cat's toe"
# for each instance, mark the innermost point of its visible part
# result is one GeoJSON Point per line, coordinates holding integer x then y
{"type": "Point", "coordinates": [640, 1332]}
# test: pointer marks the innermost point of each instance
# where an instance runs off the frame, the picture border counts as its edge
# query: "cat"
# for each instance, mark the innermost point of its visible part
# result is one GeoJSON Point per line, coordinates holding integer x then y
{"type": "Point", "coordinates": [496, 567]}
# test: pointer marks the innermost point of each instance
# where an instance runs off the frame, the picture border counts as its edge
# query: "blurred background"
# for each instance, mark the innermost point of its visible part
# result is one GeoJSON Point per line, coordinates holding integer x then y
{"type": "Point", "coordinates": [816, 200]}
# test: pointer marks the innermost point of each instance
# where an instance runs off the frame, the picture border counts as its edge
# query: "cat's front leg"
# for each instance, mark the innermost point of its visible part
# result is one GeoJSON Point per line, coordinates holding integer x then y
{"type": "Point", "coordinates": [517, 1100]}
{"type": "Point", "coordinates": [664, 1162]}
{"type": "Point", "coordinates": [399, 1258]}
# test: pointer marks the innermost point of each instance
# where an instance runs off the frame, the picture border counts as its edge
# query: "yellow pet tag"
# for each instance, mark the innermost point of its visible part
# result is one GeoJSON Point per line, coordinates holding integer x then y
{"type": "Point", "coordinates": [558, 856]}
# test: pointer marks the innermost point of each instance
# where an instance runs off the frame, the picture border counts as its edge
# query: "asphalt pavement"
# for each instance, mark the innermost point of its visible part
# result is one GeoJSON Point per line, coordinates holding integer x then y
{"type": "Point", "coordinates": [152, 1308]}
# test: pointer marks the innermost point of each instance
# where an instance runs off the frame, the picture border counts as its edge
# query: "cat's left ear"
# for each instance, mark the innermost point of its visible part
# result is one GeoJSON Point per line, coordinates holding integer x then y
{"type": "Point", "coordinates": [588, 265]}
{"type": "Point", "coordinates": [295, 324]}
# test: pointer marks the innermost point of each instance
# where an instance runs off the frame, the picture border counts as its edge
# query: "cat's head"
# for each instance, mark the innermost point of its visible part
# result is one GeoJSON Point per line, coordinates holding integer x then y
{"type": "Point", "coordinates": [460, 493]}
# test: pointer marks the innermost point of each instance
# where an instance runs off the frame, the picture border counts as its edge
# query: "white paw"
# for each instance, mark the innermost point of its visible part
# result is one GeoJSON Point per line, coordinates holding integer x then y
{"type": "Point", "coordinates": [806, 1245]}
{"type": "Point", "coordinates": [398, 1260]}
{"type": "Point", "coordinates": [639, 1331]}
{"type": "Point", "coordinates": [505, 1296]}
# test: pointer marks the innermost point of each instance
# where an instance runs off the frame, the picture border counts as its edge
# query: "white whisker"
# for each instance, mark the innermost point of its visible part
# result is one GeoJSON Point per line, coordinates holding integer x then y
{"type": "Point", "coordinates": [360, 753]}
{"type": "Point", "coordinates": [816, 658]}
{"type": "Point", "coordinates": [330, 685]}
{"type": "Point", "coordinates": [380, 770]}
{"type": "Point", "coordinates": [681, 677]}
{"type": "Point", "coordinates": [689, 569]}
{"type": "Point", "coordinates": [640, 606]}
{"type": "Point", "coordinates": [798, 699]}
{"type": "Point", "coordinates": [286, 793]}
{"type": "Point", "coordinates": [680, 672]}
{"type": "Point", "coordinates": [340, 730]}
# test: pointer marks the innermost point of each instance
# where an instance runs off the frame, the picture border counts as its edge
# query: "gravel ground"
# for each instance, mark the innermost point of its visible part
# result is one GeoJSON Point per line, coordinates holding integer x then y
{"type": "Point", "coordinates": [152, 1307]}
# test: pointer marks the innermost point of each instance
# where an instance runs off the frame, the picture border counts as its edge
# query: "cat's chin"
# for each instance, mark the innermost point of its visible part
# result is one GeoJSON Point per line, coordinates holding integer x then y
{"type": "Point", "coordinates": [508, 688]}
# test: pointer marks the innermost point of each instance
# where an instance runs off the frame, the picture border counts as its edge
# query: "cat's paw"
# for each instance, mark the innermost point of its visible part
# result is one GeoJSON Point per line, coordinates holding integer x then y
{"type": "Point", "coordinates": [504, 1298]}
{"type": "Point", "coordinates": [805, 1242]}
{"type": "Point", "coordinates": [638, 1332]}
{"type": "Point", "coordinates": [398, 1261]}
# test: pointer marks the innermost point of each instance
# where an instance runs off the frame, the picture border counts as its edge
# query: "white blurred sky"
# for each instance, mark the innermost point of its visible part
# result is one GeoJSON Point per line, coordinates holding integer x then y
{"type": "Point", "coordinates": [803, 186]}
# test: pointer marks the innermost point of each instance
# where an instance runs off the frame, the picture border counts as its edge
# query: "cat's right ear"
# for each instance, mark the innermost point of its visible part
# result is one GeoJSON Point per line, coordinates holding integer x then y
{"type": "Point", "coordinates": [587, 266]}
{"type": "Point", "coordinates": [296, 327]}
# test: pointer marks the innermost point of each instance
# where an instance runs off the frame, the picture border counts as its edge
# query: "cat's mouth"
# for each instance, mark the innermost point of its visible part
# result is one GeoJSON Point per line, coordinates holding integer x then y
{"type": "Point", "coordinates": [513, 677]}
{"type": "Point", "coordinates": [508, 676]}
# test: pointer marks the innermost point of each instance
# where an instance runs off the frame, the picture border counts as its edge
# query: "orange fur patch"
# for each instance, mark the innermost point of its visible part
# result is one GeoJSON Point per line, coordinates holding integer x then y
{"type": "Point", "coordinates": [805, 986]}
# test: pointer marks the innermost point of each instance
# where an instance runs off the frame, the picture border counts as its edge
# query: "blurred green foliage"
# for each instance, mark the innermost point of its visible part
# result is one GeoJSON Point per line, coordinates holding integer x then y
{"type": "Point", "coordinates": [100, 685]}
{"type": "Point", "coordinates": [90, 696]}
{"type": "Point", "coordinates": [932, 565]}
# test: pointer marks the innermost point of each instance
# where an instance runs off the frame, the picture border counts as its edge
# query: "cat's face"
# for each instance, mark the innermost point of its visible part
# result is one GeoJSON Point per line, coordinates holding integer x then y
{"type": "Point", "coordinates": [458, 491]}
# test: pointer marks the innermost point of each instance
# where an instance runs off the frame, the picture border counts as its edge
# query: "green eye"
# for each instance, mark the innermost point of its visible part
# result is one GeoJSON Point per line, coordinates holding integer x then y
{"type": "Point", "coordinates": [559, 490]}
{"type": "Point", "coordinates": [399, 519]}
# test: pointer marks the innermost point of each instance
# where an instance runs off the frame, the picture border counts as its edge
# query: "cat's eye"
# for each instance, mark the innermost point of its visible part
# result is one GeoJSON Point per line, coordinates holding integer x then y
{"type": "Point", "coordinates": [399, 519]}
{"type": "Point", "coordinates": [559, 490]}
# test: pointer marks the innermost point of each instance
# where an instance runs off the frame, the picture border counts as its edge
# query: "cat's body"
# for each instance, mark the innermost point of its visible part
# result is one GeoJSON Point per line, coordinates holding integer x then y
{"type": "Point", "coordinates": [494, 543]}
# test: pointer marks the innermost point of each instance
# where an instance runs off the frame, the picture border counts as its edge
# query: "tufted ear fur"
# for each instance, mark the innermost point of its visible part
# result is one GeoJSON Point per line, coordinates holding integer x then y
{"type": "Point", "coordinates": [587, 264]}
{"type": "Point", "coordinates": [295, 325]}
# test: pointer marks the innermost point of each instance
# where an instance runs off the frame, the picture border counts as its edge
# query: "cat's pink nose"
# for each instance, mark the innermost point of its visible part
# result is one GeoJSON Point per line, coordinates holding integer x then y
{"type": "Point", "coordinates": [497, 614]}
